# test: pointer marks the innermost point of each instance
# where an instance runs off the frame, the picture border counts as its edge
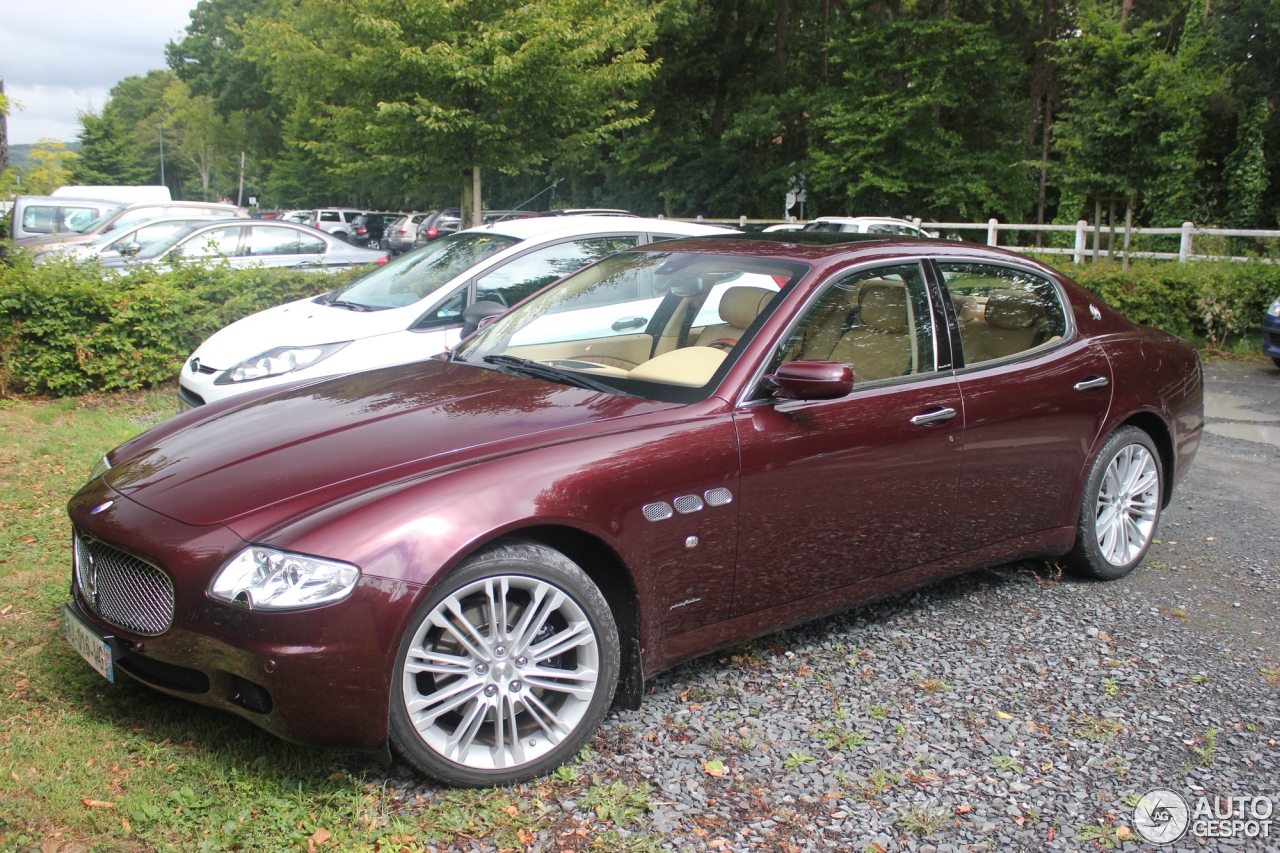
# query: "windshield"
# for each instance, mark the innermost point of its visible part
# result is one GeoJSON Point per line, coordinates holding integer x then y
{"type": "Point", "coordinates": [420, 273]}
{"type": "Point", "coordinates": [159, 247]}
{"type": "Point", "coordinates": [91, 227]}
{"type": "Point", "coordinates": [658, 324]}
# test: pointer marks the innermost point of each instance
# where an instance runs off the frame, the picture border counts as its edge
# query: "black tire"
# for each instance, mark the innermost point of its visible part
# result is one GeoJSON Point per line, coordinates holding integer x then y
{"type": "Point", "coordinates": [520, 561]}
{"type": "Point", "coordinates": [341, 235]}
{"type": "Point", "coordinates": [1275, 360]}
{"type": "Point", "coordinates": [1086, 557]}
{"type": "Point", "coordinates": [373, 244]}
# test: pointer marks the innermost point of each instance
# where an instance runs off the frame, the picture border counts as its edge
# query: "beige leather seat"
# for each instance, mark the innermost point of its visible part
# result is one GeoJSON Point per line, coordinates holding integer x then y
{"type": "Point", "coordinates": [879, 347]}
{"type": "Point", "coordinates": [739, 307]}
{"type": "Point", "coordinates": [1004, 323]}
{"type": "Point", "coordinates": [827, 326]}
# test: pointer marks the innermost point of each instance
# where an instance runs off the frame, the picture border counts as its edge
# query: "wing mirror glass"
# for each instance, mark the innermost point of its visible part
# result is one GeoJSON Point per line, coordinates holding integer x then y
{"type": "Point", "coordinates": [129, 248]}
{"type": "Point", "coordinates": [810, 380]}
{"type": "Point", "coordinates": [474, 315]}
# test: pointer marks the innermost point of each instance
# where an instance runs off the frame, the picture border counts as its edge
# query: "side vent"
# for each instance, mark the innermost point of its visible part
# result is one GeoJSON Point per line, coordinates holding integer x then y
{"type": "Point", "coordinates": [659, 511]}
{"type": "Point", "coordinates": [686, 504]}
{"type": "Point", "coordinates": [718, 497]}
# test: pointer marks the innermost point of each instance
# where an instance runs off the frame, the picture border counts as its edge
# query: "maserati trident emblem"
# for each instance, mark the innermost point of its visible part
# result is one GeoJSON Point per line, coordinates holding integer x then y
{"type": "Point", "coordinates": [100, 507]}
{"type": "Point", "coordinates": [89, 580]}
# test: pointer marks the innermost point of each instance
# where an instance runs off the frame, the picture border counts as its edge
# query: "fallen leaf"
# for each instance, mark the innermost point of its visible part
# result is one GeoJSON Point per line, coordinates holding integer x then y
{"type": "Point", "coordinates": [1123, 832]}
{"type": "Point", "coordinates": [124, 822]}
{"type": "Point", "coordinates": [335, 777]}
{"type": "Point", "coordinates": [719, 842]}
{"type": "Point", "coordinates": [965, 809]}
{"type": "Point", "coordinates": [321, 836]}
{"type": "Point", "coordinates": [6, 610]}
{"type": "Point", "coordinates": [50, 845]}
{"type": "Point", "coordinates": [714, 767]}
{"type": "Point", "coordinates": [1104, 638]}
{"type": "Point", "coordinates": [97, 804]}
{"type": "Point", "coordinates": [700, 832]}
{"type": "Point", "coordinates": [1003, 716]}
{"type": "Point", "coordinates": [171, 768]}
{"type": "Point", "coordinates": [525, 836]}
{"type": "Point", "coordinates": [511, 810]}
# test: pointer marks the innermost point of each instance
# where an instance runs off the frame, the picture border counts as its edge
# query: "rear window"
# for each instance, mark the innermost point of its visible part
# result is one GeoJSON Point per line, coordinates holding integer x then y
{"type": "Point", "coordinates": [421, 272]}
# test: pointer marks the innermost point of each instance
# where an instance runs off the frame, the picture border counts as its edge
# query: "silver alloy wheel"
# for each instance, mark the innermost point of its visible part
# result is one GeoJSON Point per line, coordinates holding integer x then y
{"type": "Point", "coordinates": [1128, 500]}
{"type": "Point", "coordinates": [500, 672]}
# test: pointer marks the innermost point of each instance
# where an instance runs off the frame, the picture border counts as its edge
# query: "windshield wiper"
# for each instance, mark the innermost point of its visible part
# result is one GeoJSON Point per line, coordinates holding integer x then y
{"type": "Point", "coordinates": [351, 306]}
{"type": "Point", "coordinates": [538, 370]}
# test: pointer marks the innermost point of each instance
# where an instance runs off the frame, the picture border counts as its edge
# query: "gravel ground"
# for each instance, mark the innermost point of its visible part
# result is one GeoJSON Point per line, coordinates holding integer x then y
{"type": "Point", "coordinates": [1009, 709]}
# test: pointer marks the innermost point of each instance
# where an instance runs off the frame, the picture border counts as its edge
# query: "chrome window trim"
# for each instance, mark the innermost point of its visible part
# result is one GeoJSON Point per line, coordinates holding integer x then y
{"type": "Point", "coordinates": [1069, 319]}
{"type": "Point", "coordinates": [748, 397]}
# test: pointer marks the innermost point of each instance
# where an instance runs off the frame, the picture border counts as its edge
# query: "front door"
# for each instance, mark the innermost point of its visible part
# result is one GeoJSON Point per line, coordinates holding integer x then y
{"type": "Point", "coordinates": [1034, 402]}
{"type": "Point", "coordinates": [834, 492]}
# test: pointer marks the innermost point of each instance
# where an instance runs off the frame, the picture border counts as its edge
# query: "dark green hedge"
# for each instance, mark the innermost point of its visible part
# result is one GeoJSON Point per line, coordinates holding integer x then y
{"type": "Point", "coordinates": [69, 328]}
{"type": "Point", "coordinates": [1203, 300]}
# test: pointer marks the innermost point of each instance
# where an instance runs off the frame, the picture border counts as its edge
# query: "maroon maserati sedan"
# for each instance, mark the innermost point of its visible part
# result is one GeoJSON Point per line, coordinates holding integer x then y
{"type": "Point", "coordinates": [467, 560]}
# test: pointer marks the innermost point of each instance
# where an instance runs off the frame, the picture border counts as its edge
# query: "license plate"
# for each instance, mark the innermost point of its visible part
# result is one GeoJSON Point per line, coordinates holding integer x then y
{"type": "Point", "coordinates": [88, 643]}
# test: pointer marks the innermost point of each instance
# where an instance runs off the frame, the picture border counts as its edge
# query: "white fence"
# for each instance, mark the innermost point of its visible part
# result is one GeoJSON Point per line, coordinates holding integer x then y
{"type": "Point", "coordinates": [1118, 241]}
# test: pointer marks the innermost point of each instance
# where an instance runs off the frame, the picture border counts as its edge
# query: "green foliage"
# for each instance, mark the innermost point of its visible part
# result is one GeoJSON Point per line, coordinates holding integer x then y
{"type": "Point", "coordinates": [1193, 300]}
{"type": "Point", "coordinates": [69, 328]}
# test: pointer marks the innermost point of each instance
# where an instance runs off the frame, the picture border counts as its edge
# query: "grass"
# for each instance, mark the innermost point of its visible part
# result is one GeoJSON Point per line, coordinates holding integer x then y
{"type": "Point", "coordinates": [922, 820]}
{"type": "Point", "coordinates": [123, 768]}
{"type": "Point", "coordinates": [1097, 729]}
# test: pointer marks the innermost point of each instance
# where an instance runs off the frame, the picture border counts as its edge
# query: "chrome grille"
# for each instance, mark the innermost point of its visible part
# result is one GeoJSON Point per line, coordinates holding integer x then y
{"type": "Point", "coordinates": [122, 589]}
{"type": "Point", "coordinates": [656, 511]}
{"type": "Point", "coordinates": [686, 504]}
{"type": "Point", "coordinates": [718, 497]}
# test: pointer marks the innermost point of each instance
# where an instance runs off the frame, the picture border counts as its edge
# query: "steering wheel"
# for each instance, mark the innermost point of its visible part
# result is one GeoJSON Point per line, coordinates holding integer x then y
{"type": "Point", "coordinates": [724, 344]}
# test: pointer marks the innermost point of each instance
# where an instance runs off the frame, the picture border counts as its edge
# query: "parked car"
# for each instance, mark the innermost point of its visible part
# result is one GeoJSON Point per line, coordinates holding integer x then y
{"type": "Point", "coordinates": [125, 242]}
{"type": "Point", "coordinates": [465, 562]}
{"type": "Point", "coordinates": [400, 235]}
{"type": "Point", "coordinates": [334, 220]}
{"type": "Point", "coordinates": [251, 244]}
{"type": "Point", "coordinates": [131, 214]}
{"type": "Point", "coordinates": [438, 223]}
{"type": "Point", "coordinates": [37, 217]}
{"type": "Point", "coordinates": [1271, 332]}
{"type": "Point", "coordinates": [368, 229]}
{"type": "Point", "coordinates": [125, 194]}
{"type": "Point", "coordinates": [409, 309]}
{"type": "Point", "coordinates": [866, 225]}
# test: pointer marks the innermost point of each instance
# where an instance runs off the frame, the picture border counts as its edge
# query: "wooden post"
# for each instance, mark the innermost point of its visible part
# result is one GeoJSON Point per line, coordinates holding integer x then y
{"type": "Point", "coordinates": [1111, 238]}
{"type": "Point", "coordinates": [477, 207]}
{"type": "Point", "coordinates": [465, 208]}
{"type": "Point", "coordinates": [240, 189]}
{"type": "Point", "coordinates": [1097, 226]}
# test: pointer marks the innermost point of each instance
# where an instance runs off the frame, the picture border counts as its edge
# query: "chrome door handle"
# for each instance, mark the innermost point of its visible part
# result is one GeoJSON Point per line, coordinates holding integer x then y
{"type": "Point", "coordinates": [1090, 384]}
{"type": "Point", "coordinates": [935, 416]}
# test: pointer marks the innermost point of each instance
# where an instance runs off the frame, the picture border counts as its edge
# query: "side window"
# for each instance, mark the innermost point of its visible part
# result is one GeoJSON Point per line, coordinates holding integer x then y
{"type": "Point", "coordinates": [208, 244]}
{"type": "Point", "coordinates": [905, 231]}
{"type": "Point", "coordinates": [40, 218]}
{"type": "Point", "coordinates": [329, 216]}
{"type": "Point", "coordinates": [148, 234]}
{"type": "Point", "coordinates": [850, 228]}
{"type": "Point", "coordinates": [133, 217]}
{"type": "Point", "coordinates": [77, 218]}
{"type": "Point", "coordinates": [350, 215]}
{"type": "Point", "coordinates": [266, 240]}
{"type": "Point", "coordinates": [310, 244]}
{"type": "Point", "coordinates": [1002, 311]}
{"type": "Point", "coordinates": [448, 314]}
{"type": "Point", "coordinates": [524, 275]}
{"type": "Point", "coordinates": [878, 322]}
{"type": "Point", "coordinates": [879, 228]}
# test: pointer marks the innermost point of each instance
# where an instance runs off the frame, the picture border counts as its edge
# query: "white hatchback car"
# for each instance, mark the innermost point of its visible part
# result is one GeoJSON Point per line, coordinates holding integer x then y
{"type": "Point", "coordinates": [411, 308]}
{"type": "Point", "coordinates": [867, 225]}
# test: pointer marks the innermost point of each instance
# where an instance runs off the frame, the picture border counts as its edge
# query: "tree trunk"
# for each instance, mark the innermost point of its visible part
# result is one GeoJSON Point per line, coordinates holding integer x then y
{"type": "Point", "coordinates": [1125, 11]}
{"type": "Point", "coordinates": [465, 208]}
{"type": "Point", "coordinates": [784, 8]}
{"type": "Point", "coordinates": [477, 209]}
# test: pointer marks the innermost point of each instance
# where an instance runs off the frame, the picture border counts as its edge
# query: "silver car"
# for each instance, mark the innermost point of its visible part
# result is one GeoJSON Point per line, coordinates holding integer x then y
{"type": "Point", "coordinates": [250, 243]}
{"type": "Point", "coordinates": [125, 242]}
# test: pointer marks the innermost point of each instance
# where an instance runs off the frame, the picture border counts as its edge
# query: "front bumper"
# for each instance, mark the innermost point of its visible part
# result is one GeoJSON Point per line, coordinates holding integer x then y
{"type": "Point", "coordinates": [319, 677]}
{"type": "Point", "coordinates": [1271, 335]}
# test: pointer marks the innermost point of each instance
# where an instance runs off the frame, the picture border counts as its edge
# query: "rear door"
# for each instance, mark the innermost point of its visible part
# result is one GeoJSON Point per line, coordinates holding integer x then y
{"type": "Point", "coordinates": [1035, 398]}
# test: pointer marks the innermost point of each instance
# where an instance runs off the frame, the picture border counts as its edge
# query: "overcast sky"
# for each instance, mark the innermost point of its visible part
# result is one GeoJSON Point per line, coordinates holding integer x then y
{"type": "Point", "coordinates": [61, 56]}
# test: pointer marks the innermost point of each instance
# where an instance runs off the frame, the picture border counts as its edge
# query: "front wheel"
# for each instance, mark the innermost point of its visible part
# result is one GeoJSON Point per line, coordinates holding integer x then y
{"type": "Point", "coordinates": [1120, 508]}
{"type": "Point", "coordinates": [508, 667]}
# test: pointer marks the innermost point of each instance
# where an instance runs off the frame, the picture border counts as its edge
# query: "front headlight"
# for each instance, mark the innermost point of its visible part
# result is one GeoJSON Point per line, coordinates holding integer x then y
{"type": "Point", "coordinates": [1274, 310]}
{"type": "Point", "coordinates": [101, 468]}
{"type": "Point", "coordinates": [276, 361]}
{"type": "Point", "coordinates": [266, 579]}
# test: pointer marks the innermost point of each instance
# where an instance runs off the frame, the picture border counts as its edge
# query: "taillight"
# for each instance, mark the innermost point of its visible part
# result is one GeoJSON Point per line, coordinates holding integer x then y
{"type": "Point", "coordinates": [362, 230]}
{"type": "Point", "coordinates": [432, 233]}
{"type": "Point", "coordinates": [403, 232]}
{"type": "Point", "coordinates": [380, 261]}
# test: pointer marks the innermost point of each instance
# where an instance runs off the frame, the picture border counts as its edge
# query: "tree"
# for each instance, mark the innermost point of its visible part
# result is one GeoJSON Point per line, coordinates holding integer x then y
{"type": "Point", "coordinates": [49, 167]}
{"type": "Point", "coordinates": [424, 89]}
{"type": "Point", "coordinates": [109, 153]}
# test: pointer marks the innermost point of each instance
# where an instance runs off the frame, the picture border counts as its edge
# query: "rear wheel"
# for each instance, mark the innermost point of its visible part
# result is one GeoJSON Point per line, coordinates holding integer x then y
{"type": "Point", "coordinates": [508, 667]}
{"type": "Point", "coordinates": [1120, 508]}
{"type": "Point", "coordinates": [373, 244]}
{"type": "Point", "coordinates": [1276, 360]}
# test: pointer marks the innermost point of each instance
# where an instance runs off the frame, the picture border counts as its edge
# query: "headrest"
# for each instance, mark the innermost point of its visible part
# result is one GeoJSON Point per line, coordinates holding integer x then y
{"type": "Point", "coordinates": [1010, 310]}
{"type": "Point", "coordinates": [884, 306]}
{"type": "Point", "coordinates": [739, 306]}
{"type": "Point", "coordinates": [968, 309]}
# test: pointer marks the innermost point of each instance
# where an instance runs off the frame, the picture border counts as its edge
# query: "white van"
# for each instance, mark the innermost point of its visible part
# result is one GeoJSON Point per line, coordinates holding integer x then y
{"type": "Point", "coordinates": [36, 216]}
{"type": "Point", "coordinates": [124, 195]}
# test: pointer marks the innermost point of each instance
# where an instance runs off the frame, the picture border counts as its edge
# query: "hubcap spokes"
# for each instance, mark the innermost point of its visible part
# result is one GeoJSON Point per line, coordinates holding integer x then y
{"type": "Point", "coordinates": [500, 672]}
{"type": "Point", "coordinates": [1128, 500]}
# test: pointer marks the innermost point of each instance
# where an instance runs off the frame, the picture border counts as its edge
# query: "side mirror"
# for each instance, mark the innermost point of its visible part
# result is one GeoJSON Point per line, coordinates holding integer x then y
{"type": "Point", "coordinates": [810, 380]}
{"type": "Point", "coordinates": [130, 248]}
{"type": "Point", "coordinates": [475, 314]}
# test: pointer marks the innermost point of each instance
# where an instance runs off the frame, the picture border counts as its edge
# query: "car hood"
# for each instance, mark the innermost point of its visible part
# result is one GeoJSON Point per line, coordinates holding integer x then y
{"type": "Point", "coordinates": [300, 324]}
{"type": "Point", "coordinates": [335, 438]}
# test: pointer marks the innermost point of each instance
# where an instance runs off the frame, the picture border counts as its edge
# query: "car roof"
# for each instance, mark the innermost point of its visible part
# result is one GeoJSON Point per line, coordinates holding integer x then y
{"type": "Point", "coordinates": [894, 219]}
{"type": "Point", "coordinates": [532, 227]}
